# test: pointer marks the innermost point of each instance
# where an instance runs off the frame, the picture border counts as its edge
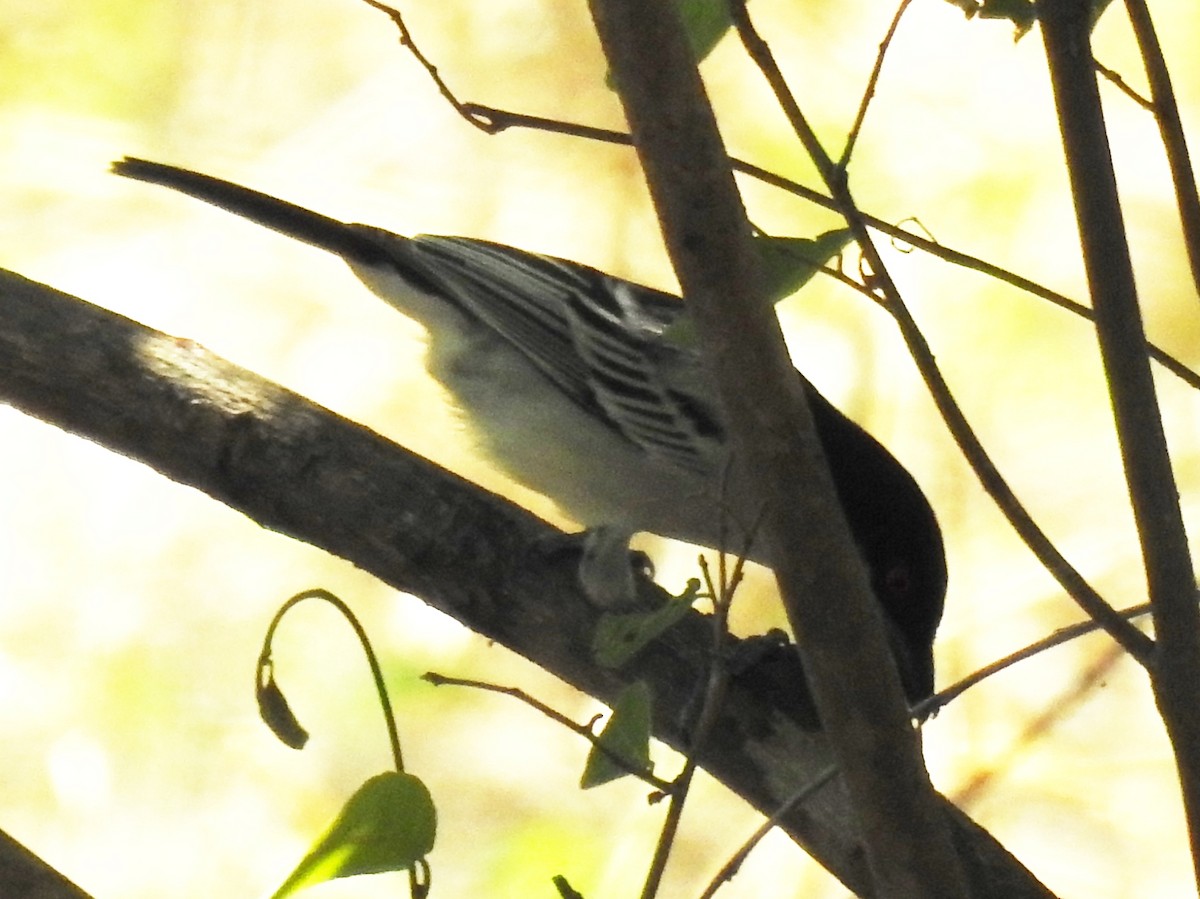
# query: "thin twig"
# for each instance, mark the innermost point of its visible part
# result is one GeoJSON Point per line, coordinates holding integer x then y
{"type": "Point", "coordinates": [583, 730]}
{"type": "Point", "coordinates": [493, 120]}
{"type": "Point", "coordinates": [1074, 584]}
{"type": "Point", "coordinates": [731, 867]}
{"type": "Point", "coordinates": [1145, 456]}
{"type": "Point", "coordinates": [940, 700]}
{"type": "Point", "coordinates": [1122, 85]}
{"type": "Point", "coordinates": [1137, 643]}
{"type": "Point", "coordinates": [869, 93]}
{"type": "Point", "coordinates": [407, 42]}
{"type": "Point", "coordinates": [1054, 711]}
{"type": "Point", "coordinates": [715, 690]}
{"type": "Point", "coordinates": [1170, 126]}
{"type": "Point", "coordinates": [504, 119]}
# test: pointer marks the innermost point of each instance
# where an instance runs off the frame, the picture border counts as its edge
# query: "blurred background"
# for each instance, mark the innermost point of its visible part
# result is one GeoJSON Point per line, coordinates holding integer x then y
{"type": "Point", "coordinates": [132, 609]}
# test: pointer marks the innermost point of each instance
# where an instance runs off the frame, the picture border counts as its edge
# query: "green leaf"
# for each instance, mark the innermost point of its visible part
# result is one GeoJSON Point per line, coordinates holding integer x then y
{"type": "Point", "coordinates": [791, 262]}
{"type": "Point", "coordinates": [788, 264]}
{"type": "Point", "coordinates": [619, 637]}
{"type": "Point", "coordinates": [626, 735]}
{"type": "Point", "coordinates": [1098, 8]}
{"type": "Point", "coordinates": [706, 22]}
{"type": "Point", "coordinates": [969, 7]}
{"type": "Point", "coordinates": [387, 825]}
{"type": "Point", "coordinates": [1022, 13]}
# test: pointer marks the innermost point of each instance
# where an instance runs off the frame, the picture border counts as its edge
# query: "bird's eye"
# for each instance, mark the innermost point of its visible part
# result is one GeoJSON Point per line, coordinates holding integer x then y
{"type": "Point", "coordinates": [898, 580]}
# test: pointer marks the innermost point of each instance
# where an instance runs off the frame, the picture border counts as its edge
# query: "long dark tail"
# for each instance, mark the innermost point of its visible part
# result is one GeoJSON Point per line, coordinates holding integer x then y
{"type": "Point", "coordinates": [294, 221]}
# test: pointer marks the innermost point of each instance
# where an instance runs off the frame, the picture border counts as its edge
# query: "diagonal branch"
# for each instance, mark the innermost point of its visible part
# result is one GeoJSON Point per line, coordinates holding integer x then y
{"type": "Point", "coordinates": [301, 470]}
{"type": "Point", "coordinates": [854, 680]}
{"type": "Point", "coordinates": [24, 874]}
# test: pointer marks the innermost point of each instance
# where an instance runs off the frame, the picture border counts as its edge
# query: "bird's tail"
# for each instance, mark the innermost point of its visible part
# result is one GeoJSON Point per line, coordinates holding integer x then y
{"type": "Point", "coordinates": [321, 231]}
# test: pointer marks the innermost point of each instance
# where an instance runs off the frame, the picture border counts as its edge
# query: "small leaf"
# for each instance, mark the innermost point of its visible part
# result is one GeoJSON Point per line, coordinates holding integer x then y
{"type": "Point", "coordinates": [1022, 13]}
{"type": "Point", "coordinates": [275, 711]}
{"type": "Point", "coordinates": [705, 22]}
{"type": "Point", "coordinates": [788, 264]}
{"type": "Point", "coordinates": [791, 262]}
{"type": "Point", "coordinates": [618, 638]}
{"type": "Point", "coordinates": [969, 7]}
{"type": "Point", "coordinates": [1098, 8]}
{"type": "Point", "coordinates": [626, 735]}
{"type": "Point", "coordinates": [387, 825]}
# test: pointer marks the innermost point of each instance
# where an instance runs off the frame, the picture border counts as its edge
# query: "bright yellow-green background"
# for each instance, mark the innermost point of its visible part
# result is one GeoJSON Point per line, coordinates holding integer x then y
{"type": "Point", "coordinates": [131, 608]}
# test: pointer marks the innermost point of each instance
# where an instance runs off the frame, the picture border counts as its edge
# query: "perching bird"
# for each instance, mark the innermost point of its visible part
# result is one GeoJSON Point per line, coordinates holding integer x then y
{"type": "Point", "coordinates": [572, 386]}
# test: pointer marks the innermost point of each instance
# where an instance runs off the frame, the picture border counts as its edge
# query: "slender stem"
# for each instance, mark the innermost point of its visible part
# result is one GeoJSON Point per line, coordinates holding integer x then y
{"type": "Point", "coordinates": [1114, 78]}
{"type": "Point", "coordinates": [716, 687]}
{"type": "Point", "coordinates": [376, 672]}
{"type": "Point", "coordinates": [585, 731]}
{"type": "Point", "coordinates": [972, 448]}
{"type": "Point", "coordinates": [1170, 126]}
{"type": "Point", "coordinates": [493, 121]}
{"type": "Point", "coordinates": [730, 868]}
{"type": "Point", "coordinates": [942, 698]}
{"type": "Point", "coordinates": [1175, 673]}
{"type": "Point", "coordinates": [1055, 709]}
{"type": "Point", "coordinates": [869, 93]}
{"type": "Point", "coordinates": [502, 119]}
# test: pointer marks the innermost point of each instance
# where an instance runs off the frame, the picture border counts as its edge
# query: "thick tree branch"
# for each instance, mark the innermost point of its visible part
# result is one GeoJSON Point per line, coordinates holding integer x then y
{"type": "Point", "coordinates": [844, 646]}
{"type": "Point", "coordinates": [24, 874]}
{"type": "Point", "coordinates": [301, 470]}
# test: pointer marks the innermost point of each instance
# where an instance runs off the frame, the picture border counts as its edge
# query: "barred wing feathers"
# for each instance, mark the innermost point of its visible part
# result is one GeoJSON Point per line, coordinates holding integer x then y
{"type": "Point", "coordinates": [600, 340]}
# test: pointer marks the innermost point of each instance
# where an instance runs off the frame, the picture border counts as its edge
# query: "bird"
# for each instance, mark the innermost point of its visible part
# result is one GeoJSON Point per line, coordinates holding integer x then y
{"type": "Point", "coordinates": [576, 383]}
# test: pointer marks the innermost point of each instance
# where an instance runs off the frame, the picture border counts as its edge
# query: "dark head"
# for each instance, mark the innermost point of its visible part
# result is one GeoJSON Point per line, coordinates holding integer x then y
{"type": "Point", "coordinates": [898, 535]}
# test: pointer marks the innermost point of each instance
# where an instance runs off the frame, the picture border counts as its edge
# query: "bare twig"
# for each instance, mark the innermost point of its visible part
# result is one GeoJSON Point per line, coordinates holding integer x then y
{"type": "Point", "coordinates": [942, 698]}
{"type": "Point", "coordinates": [1170, 126]}
{"type": "Point", "coordinates": [583, 730]}
{"type": "Point", "coordinates": [493, 120]}
{"type": "Point", "coordinates": [1122, 85]}
{"type": "Point", "coordinates": [869, 93]}
{"type": "Point", "coordinates": [1057, 709]}
{"type": "Point", "coordinates": [1170, 576]}
{"type": "Point", "coordinates": [444, 89]}
{"type": "Point", "coordinates": [716, 688]}
{"type": "Point", "coordinates": [969, 444]}
{"type": "Point", "coordinates": [730, 868]}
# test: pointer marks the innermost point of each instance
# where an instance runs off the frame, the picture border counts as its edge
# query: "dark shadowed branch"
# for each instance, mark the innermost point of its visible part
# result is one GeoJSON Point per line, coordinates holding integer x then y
{"type": "Point", "coordinates": [299, 469]}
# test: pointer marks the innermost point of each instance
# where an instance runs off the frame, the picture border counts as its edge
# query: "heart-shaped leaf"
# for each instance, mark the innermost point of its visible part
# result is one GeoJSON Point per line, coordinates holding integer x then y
{"type": "Point", "coordinates": [387, 825]}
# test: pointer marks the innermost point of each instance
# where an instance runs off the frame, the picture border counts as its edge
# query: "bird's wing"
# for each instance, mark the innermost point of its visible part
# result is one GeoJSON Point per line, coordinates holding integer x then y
{"type": "Point", "coordinates": [602, 340]}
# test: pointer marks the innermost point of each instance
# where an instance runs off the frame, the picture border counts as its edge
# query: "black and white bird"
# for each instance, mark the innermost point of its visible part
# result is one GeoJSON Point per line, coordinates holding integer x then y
{"type": "Point", "coordinates": [572, 384]}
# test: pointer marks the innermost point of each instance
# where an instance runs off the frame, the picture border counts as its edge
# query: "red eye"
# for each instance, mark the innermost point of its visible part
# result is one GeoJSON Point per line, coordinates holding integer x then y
{"type": "Point", "coordinates": [898, 581]}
